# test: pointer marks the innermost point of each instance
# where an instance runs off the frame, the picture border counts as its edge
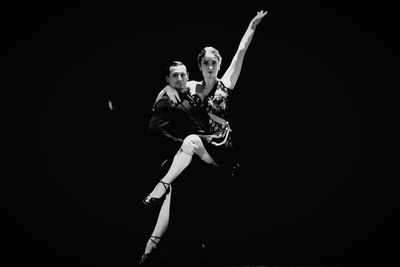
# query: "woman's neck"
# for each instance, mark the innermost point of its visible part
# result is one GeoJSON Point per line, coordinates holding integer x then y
{"type": "Point", "coordinates": [205, 87]}
{"type": "Point", "coordinates": [209, 84]}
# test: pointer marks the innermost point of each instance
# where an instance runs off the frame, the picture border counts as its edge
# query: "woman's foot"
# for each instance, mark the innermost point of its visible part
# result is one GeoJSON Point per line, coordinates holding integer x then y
{"type": "Point", "coordinates": [151, 246]}
{"type": "Point", "coordinates": [158, 193]}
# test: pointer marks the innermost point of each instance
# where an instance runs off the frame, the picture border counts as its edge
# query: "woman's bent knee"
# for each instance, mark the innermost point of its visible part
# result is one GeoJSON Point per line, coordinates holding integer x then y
{"type": "Point", "coordinates": [194, 138]}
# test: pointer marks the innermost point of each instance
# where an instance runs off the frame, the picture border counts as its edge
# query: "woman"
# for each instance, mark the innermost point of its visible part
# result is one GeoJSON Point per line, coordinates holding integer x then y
{"type": "Point", "coordinates": [211, 93]}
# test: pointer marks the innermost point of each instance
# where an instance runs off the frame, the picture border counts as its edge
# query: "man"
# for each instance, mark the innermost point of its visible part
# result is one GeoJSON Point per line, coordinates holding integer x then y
{"type": "Point", "coordinates": [173, 130]}
{"type": "Point", "coordinates": [172, 123]}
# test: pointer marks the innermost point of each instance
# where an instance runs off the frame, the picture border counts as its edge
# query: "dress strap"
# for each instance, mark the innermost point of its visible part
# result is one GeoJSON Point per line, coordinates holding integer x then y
{"type": "Point", "coordinates": [218, 119]}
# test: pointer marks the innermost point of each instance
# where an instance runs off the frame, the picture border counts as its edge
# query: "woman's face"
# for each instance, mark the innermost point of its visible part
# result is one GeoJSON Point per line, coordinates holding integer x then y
{"type": "Point", "coordinates": [209, 66]}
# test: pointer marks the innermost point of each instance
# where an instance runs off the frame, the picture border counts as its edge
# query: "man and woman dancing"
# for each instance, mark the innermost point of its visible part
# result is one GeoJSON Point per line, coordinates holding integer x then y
{"type": "Point", "coordinates": [190, 118]}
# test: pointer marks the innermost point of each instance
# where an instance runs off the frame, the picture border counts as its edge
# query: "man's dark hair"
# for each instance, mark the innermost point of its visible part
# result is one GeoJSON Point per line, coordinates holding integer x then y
{"type": "Point", "coordinates": [174, 63]}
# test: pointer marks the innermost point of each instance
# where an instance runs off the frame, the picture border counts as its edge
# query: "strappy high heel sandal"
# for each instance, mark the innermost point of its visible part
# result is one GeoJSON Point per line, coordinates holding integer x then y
{"type": "Point", "coordinates": [151, 257]}
{"type": "Point", "coordinates": [149, 199]}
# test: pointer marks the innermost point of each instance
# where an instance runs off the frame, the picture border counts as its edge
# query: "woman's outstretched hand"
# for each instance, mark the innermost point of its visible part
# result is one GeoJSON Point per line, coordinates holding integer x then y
{"type": "Point", "coordinates": [260, 14]}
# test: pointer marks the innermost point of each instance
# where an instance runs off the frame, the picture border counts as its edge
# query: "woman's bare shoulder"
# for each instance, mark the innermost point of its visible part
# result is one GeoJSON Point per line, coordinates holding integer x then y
{"type": "Point", "coordinates": [192, 86]}
{"type": "Point", "coordinates": [192, 83]}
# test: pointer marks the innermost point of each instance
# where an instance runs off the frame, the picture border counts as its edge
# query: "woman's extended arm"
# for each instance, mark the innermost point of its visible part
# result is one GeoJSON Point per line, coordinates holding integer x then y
{"type": "Point", "coordinates": [232, 73]}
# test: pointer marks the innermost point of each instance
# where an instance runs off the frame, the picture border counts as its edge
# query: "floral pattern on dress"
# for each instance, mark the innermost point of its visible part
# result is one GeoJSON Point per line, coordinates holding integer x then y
{"type": "Point", "coordinates": [216, 103]}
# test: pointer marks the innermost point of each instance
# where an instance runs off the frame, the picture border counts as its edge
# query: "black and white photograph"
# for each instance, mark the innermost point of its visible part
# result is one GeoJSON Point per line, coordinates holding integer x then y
{"type": "Point", "coordinates": [206, 133]}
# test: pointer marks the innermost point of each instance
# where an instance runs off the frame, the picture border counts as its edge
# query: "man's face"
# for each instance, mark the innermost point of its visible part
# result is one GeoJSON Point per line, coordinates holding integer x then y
{"type": "Point", "coordinates": [178, 77]}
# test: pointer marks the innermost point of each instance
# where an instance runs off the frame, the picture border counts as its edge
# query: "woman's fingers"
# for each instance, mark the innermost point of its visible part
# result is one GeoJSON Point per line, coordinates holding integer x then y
{"type": "Point", "coordinates": [262, 13]}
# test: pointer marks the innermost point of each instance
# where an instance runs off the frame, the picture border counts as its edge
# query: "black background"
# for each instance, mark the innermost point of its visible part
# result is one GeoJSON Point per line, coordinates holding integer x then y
{"type": "Point", "coordinates": [313, 115]}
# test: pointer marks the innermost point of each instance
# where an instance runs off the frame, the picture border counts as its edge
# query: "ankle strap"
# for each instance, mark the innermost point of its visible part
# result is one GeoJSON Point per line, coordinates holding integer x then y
{"type": "Point", "coordinates": [164, 184]}
{"type": "Point", "coordinates": [154, 241]}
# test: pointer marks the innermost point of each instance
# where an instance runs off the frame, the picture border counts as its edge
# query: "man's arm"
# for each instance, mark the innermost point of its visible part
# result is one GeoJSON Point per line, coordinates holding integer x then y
{"type": "Point", "coordinates": [161, 124]}
{"type": "Point", "coordinates": [171, 92]}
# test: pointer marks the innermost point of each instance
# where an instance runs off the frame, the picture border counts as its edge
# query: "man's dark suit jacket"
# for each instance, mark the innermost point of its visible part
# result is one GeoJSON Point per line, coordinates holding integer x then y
{"type": "Point", "coordinates": [171, 123]}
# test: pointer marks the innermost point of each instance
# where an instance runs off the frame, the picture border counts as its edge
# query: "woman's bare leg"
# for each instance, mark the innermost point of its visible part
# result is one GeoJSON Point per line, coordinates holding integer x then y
{"type": "Point", "coordinates": [161, 225]}
{"type": "Point", "coordinates": [182, 159]}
